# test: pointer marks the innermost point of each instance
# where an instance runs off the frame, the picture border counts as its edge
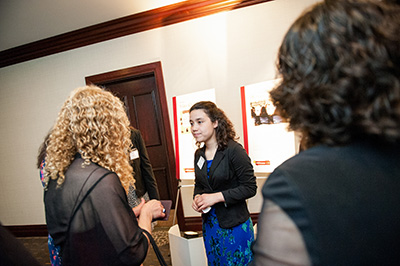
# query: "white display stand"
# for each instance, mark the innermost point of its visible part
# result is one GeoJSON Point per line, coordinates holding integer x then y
{"type": "Point", "coordinates": [186, 252]}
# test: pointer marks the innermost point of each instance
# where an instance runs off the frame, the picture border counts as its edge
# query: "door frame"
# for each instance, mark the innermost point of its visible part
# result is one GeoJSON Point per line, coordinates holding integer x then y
{"type": "Point", "coordinates": [143, 70]}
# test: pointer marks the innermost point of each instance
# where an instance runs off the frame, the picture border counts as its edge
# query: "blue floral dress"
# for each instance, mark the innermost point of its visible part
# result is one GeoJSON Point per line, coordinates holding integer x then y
{"type": "Point", "coordinates": [231, 247]}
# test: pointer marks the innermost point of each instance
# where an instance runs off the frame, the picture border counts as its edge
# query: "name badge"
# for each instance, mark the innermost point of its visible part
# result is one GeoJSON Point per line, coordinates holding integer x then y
{"type": "Point", "coordinates": [134, 154]}
{"type": "Point", "coordinates": [200, 162]}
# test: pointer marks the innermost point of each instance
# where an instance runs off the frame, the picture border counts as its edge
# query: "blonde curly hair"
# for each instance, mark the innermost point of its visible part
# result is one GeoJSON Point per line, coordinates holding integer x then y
{"type": "Point", "coordinates": [92, 122]}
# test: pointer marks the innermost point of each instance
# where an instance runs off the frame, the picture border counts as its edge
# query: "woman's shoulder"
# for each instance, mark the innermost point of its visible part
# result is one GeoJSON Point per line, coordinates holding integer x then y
{"type": "Point", "coordinates": [104, 180]}
{"type": "Point", "coordinates": [233, 145]}
{"type": "Point", "coordinates": [235, 151]}
{"type": "Point", "coordinates": [79, 168]}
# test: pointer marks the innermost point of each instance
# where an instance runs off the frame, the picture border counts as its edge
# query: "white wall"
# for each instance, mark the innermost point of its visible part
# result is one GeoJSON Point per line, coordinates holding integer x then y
{"type": "Point", "coordinates": [223, 51]}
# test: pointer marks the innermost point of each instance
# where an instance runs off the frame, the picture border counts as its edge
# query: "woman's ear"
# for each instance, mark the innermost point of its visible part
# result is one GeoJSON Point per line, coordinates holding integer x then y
{"type": "Point", "coordinates": [215, 124]}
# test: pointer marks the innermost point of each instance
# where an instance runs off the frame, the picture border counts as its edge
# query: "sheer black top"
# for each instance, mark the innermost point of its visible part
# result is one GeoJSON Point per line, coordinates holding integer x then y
{"type": "Point", "coordinates": [104, 229]}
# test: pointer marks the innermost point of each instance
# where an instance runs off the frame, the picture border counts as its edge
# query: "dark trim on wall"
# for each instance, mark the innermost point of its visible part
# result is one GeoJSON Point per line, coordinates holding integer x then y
{"type": "Point", "coordinates": [254, 217]}
{"type": "Point", "coordinates": [189, 223]}
{"type": "Point", "coordinates": [27, 230]}
{"type": "Point", "coordinates": [128, 25]}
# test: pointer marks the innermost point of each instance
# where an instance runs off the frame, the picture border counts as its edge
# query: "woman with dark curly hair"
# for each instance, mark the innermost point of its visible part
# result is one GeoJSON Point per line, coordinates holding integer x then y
{"type": "Point", "coordinates": [337, 202]}
{"type": "Point", "coordinates": [224, 180]}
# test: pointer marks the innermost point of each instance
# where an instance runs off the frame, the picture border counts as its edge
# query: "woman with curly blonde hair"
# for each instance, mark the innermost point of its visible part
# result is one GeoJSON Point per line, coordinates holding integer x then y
{"type": "Point", "coordinates": [89, 122]}
{"type": "Point", "coordinates": [87, 178]}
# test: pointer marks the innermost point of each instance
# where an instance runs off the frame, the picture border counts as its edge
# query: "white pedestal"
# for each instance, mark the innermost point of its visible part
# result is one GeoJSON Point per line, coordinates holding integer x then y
{"type": "Point", "coordinates": [186, 252]}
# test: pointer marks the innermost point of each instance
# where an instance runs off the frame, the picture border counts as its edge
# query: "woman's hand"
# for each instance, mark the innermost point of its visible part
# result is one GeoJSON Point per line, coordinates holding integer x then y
{"type": "Point", "coordinates": [151, 210]}
{"type": "Point", "coordinates": [138, 208]}
{"type": "Point", "coordinates": [204, 201]}
{"type": "Point", "coordinates": [155, 208]}
{"type": "Point", "coordinates": [194, 204]}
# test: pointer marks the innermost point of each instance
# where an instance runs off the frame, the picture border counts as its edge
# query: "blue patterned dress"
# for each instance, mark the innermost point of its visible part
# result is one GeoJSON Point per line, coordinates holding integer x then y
{"type": "Point", "coordinates": [229, 247]}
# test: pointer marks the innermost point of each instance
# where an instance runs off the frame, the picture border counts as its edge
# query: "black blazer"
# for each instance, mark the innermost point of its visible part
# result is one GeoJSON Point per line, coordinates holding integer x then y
{"type": "Point", "coordinates": [144, 176]}
{"type": "Point", "coordinates": [232, 174]}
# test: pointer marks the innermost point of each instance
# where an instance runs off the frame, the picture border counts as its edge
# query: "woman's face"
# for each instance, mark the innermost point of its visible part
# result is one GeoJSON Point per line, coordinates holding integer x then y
{"type": "Point", "coordinates": [203, 130]}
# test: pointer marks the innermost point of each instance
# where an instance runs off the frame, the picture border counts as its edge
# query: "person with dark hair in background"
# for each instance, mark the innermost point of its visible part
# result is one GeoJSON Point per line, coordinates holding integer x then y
{"type": "Point", "coordinates": [54, 251]}
{"type": "Point", "coordinates": [224, 181]}
{"type": "Point", "coordinates": [338, 201]}
{"type": "Point", "coordinates": [146, 184]}
{"type": "Point", "coordinates": [87, 179]}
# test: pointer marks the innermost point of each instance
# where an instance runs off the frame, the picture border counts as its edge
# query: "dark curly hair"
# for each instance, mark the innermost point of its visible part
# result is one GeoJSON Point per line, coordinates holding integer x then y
{"type": "Point", "coordinates": [42, 150]}
{"type": "Point", "coordinates": [224, 130]}
{"type": "Point", "coordinates": [339, 64]}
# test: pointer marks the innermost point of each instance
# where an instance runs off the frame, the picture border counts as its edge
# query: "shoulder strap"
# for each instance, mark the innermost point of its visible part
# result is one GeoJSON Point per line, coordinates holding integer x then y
{"type": "Point", "coordinates": [155, 248]}
{"type": "Point", "coordinates": [78, 204]}
{"type": "Point", "coordinates": [75, 210]}
{"type": "Point", "coordinates": [80, 192]}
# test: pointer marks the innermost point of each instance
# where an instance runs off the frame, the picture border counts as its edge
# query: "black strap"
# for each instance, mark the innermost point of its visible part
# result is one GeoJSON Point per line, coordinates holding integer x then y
{"type": "Point", "coordinates": [78, 204]}
{"type": "Point", "coordinates": [84, 197]}
{"type": "Point", "coordinates": [156, 249]}
{"type": "Point", "coordinates": [77, 200]}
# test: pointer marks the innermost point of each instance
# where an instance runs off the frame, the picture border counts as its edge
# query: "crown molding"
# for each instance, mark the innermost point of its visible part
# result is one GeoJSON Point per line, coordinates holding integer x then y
{"type": "Point", "coordinates": [120, 27]}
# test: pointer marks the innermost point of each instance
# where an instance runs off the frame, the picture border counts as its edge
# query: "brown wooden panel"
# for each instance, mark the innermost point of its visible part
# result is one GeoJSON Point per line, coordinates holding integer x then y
{"type": "Point", "coordinates": [140, 84]}
{"type": "Point", "coordinates": [128, 25]}
{"type": "Point", "coordinates": [161, 177]}
{"type": "Point", "coordinates": [147, 119]}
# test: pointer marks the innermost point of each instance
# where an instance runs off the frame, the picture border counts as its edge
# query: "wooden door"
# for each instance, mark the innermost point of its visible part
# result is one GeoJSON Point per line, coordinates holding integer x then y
{"type": "Point", "coordinates": [142, 90]}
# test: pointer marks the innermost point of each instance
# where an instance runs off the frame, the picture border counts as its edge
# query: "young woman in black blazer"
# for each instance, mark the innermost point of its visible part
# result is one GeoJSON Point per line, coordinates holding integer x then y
{"type": "Point", "coordinates": [224, 181]}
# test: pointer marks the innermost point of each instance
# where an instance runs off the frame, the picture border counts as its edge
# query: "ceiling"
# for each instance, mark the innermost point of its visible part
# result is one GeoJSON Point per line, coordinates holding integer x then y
{"type": "Point", "coordinates": [25, 21]}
